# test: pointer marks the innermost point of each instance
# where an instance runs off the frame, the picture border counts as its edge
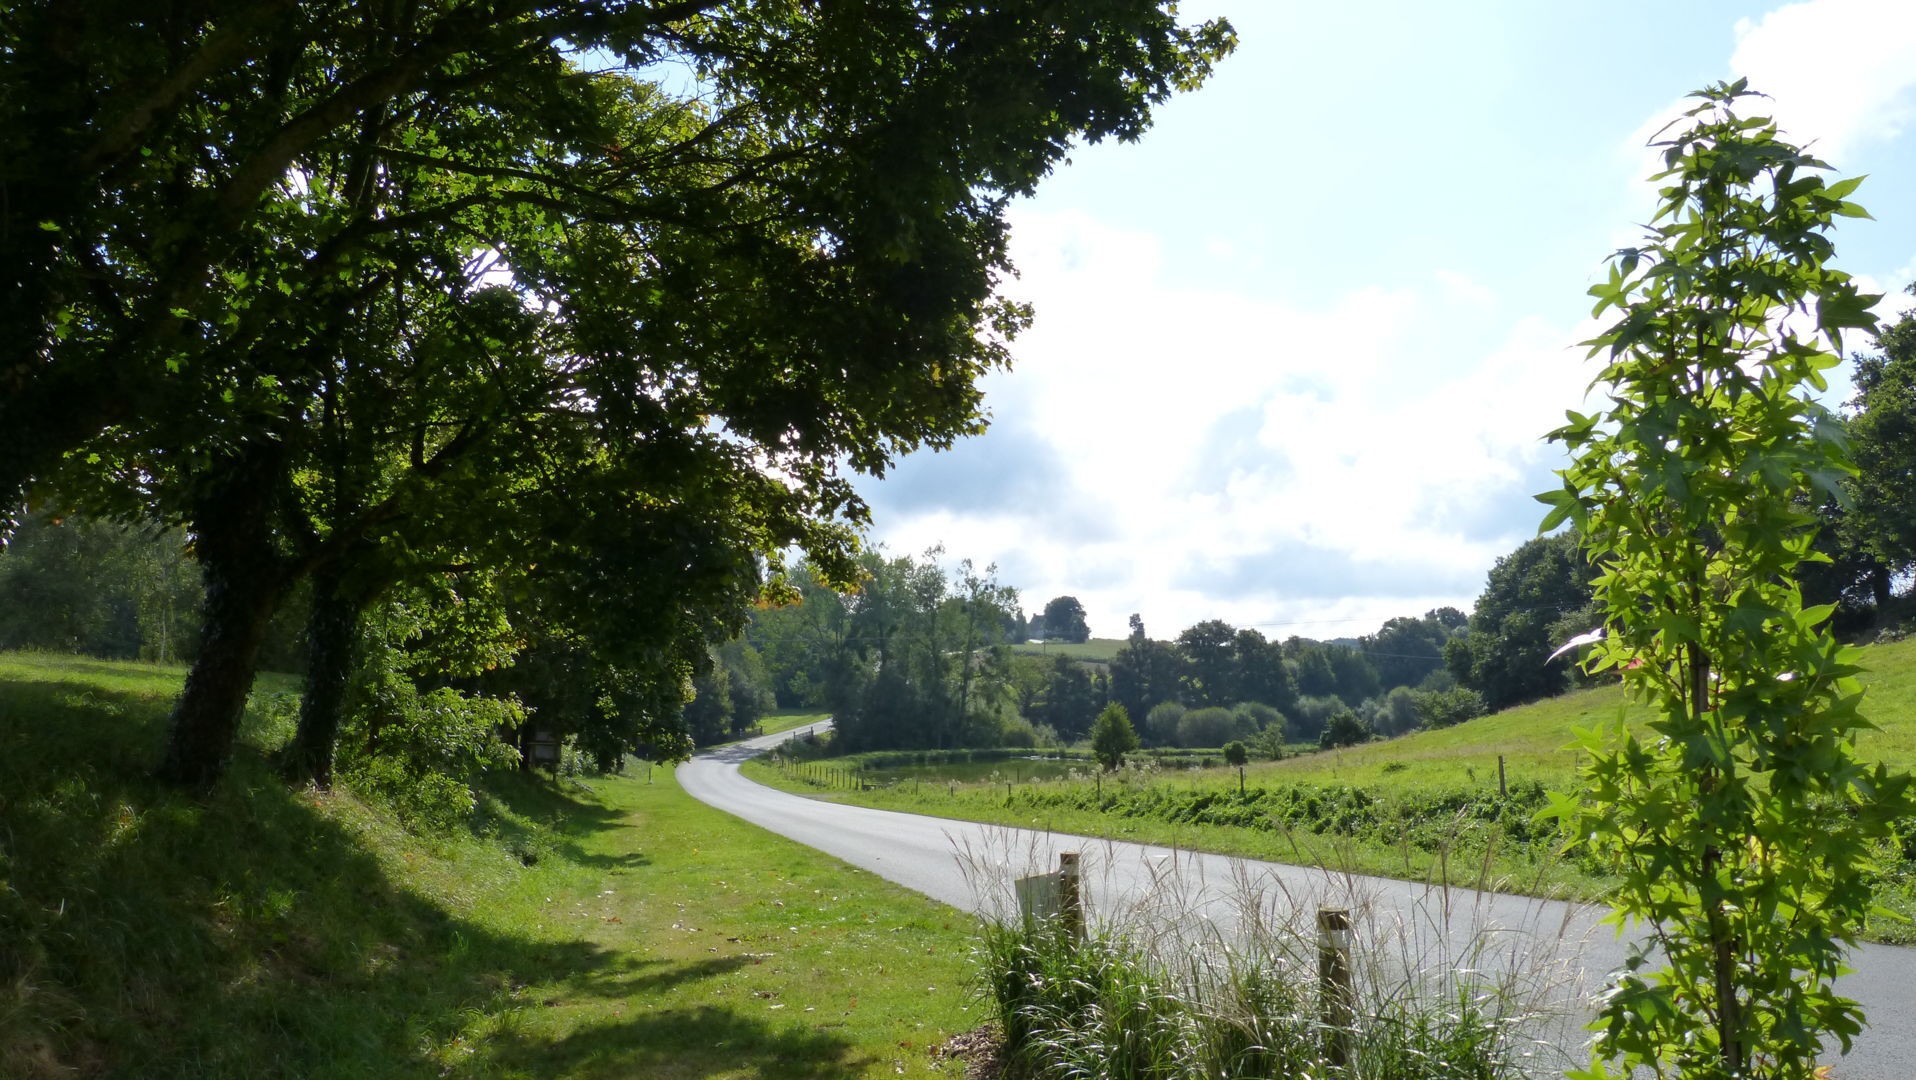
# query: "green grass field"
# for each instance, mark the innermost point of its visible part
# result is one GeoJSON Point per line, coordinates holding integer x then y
{"type": "Point", "coordinates": [610, 929]}
{"type": "Point", "coordinates": [1100, 649]}
{"type": "Point", "coordinates": [1423, 807]}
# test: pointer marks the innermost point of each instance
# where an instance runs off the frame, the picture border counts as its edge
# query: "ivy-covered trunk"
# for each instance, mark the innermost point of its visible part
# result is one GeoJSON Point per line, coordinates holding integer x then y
{"type": "Point", "coordinates": [246, 578]}
{"type": "Point", "coordinates": [332, 631]}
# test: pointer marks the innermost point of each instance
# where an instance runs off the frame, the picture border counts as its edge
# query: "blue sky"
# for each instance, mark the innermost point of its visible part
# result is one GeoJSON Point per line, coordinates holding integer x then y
{"type": "Point", "coordinates": [1296, 349]}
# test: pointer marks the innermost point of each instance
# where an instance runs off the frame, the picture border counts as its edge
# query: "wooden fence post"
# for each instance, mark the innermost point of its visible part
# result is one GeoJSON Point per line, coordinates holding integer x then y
{"type": "Point", "coordinates": [1070, 895]}
{"type": "Point", "coordinates": [1336, 985]}
{"type": "Point", "coordinates": [1503, 789]}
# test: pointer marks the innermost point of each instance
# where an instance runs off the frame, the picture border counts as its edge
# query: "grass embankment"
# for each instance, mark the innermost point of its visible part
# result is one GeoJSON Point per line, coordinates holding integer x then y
{"type": "Point", "coordinates": [606, 930]}
{"type": "Point", "coordinates": [1423, 807]}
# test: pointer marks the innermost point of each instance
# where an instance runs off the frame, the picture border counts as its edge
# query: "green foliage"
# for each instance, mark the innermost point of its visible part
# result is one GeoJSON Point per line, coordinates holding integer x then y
{"type": "Point", "coordinates": [1444, 708]}
{"type": "Point", "coordinates": [1208, 727]}
{"type": "Point", "coordinates": [1344, 728]}
{"type": "Point", "coordinates": [1505, 654]}
{"type": "Point", "coordinates": [366, 292]}
{"type": "Point", "coordinates": [1405, 651]}
{"type": "Point", "coordinates": [1210, 675]}
{"type": "Point", "coordinates": [1878, 532]}
{"type": "Point", "coordinates": [1145, 673]}
{"type": "Point", "coordinates": [1161, 724]}
{"type": "Point", "coordinates": [1740, 822]}
{"type": "Point", "coordinates": [419, 751]}
{"type": "Point", "coordinates": [1258, 716]}
{"type": "Point", "coordinates": [1270, 743]}
{"type": "Point", "coordinates": [1236, 753]}
{"type": "Point", "coordinates": [1064, 621]}
{"type": "Point", "coordinates": [99, 588]}
{"type": "Point", "coordinates": [1071, 699]}
{"type": "Point", "coordinates": [914, 658]}
{"type": "Point", "coordinates": [1112, 737]}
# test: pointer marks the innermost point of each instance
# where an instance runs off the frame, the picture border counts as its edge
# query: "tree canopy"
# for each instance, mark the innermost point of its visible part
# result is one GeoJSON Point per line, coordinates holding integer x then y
{"type": "Point", "coordinates": [1064, 620]}
{"type": "Point", "coordinates": [351, 290]}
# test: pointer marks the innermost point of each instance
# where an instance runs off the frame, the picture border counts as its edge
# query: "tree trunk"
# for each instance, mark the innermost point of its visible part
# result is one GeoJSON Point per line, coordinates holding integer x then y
{"type": "Point", "coordinates": [1880, 586]}
{"type": "Point", "coordinates": [245, 582]}
{"type": "Point", "coordinates": [332, 631]}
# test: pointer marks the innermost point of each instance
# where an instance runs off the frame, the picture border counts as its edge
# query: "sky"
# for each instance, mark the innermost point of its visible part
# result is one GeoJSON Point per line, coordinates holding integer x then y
{"type": "Point", "coordinates": [1296, 349]}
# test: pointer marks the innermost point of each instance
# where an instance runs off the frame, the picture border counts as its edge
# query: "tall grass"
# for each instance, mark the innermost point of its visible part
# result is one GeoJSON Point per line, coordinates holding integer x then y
{"type": "Point", "coordinates": [1175, 981]}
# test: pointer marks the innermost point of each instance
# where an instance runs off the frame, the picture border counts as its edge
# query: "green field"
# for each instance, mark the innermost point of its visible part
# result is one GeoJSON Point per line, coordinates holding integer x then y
{"type": "Point", "coordinates": [610, 929]}
{"type": "Point", "coordinates": [1426, 806]}
{"type": "Point", "coordinates": [1099, 649]}
{"type": "Point", "coordinates": [786, 719]}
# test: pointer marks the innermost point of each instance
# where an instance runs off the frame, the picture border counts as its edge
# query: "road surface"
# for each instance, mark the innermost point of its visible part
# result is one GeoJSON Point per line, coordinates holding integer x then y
{"type": "Point", "coordinates": [1554, 950]}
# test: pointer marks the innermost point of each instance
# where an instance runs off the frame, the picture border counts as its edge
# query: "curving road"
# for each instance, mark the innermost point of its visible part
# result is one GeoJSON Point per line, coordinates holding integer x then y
{"type": "Point", "coordinates": [1556, 951]}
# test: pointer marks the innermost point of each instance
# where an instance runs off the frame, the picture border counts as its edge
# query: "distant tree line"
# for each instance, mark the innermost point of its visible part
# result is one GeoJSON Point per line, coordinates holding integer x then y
{"type": "Point", "coordinates": [919, 657]}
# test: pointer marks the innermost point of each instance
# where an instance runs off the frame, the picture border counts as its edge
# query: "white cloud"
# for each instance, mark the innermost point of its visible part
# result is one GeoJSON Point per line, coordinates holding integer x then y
{"type": "Point", "coordinates": [1317, 469]}
{"type": "Point", "coordinates": [1840, 71]}
{"type": "Point", "coordinates": [1839, 75]}
{"type": "Point", "coordinates": [1220, 433]}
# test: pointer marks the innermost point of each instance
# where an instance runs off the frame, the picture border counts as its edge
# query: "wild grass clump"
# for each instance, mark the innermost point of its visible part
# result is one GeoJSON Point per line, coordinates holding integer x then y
{"type": "Point", "coordinates": [1180, 979]}
{"type": "Point", "coordinates": [1108, 1008]}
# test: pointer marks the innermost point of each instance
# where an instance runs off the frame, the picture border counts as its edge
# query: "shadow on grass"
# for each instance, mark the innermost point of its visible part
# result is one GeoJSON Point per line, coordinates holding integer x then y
{"type": "Point", "coordinates": [146, 934]}
{"type": "Point", "coordinates": [529, 813]}
{"type": "Point", "coordinates": [697, 1042]}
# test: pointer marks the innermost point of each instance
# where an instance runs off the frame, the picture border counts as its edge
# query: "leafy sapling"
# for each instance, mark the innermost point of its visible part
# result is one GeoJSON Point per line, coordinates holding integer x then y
{"type": "Point", "coordinates": [1739, 819]}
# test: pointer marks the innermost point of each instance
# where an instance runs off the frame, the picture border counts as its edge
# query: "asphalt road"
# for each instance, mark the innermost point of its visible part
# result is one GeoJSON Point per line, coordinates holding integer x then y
{"type": "Point", "coordinates": [1556, 951]}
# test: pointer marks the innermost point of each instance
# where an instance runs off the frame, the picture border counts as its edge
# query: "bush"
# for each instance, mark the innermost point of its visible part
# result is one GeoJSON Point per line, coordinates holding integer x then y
{"type": "Point", "coordinates": [1269, 743]}
{"type": "Point", "coordinates": [1258, 716]}
{"type": "Point", "coordinates": [1443, 708]}
{"type": "Point", "coordinates": [1207, 727]}
{"type": "Point", "coordinates": [418, 752]}
{"type": "Point", "coordinates": [1343, 729]}
{"type": "Point", "coordinates": [1161, 723]}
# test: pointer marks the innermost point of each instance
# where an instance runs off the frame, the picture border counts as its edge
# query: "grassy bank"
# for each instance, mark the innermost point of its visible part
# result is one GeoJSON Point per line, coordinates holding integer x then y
{"type": "Point", "coordinates": [1424, 807]}
{"type": "Point", "coordinates": [605, 930]}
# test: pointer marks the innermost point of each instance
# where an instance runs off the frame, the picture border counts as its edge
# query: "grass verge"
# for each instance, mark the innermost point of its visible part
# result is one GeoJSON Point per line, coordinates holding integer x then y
{"type": "Point", "coordinates": [606, 930]}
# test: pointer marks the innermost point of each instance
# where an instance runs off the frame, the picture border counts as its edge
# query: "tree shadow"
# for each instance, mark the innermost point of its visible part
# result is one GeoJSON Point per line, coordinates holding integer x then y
{"type": "Point", "coordinates": [691, 1042]}
{"type": "Point", "coordinates": [146, 933]}
{"type": "Point", "coordinates": [559, 820]}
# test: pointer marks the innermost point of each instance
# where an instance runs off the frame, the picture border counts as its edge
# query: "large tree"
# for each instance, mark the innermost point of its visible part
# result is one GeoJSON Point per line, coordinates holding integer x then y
{"type": "Point", "coordinates": [1504, 653]}
{"type": "Point", "coordinates": [1881, 526]}
{"type": "Point", "coordinates": [787, 261]}
{"type": "Point", "coordinates": [1064, 620]}
{"type": "Point", "coordinates": [1144, 673]}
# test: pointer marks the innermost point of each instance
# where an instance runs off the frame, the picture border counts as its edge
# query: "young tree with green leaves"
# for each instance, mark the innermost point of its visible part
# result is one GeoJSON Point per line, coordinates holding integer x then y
{"type": "Point", "coordinates": [1739, 820]}
{"type": "Point", "coordinates": [1112, 736]}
